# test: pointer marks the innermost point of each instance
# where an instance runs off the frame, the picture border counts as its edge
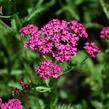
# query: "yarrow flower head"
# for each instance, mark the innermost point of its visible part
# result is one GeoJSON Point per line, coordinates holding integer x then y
{"type": "Point", "coordinates": [29, 29]}
{"type": "Point", "coordinates": [11, 104]}
{"type": "Point", "coordinates": [48, 69]}
{"type": "Point", "coordinates": [78, 28]}
{"type": "Point", "coordinates": [55, 38]}
{"type": "Point", "coordinates": [104, 33]}
{"type": "Point", "coordinates": [64, 42]}
{"type": "Point", "coordinates": [91, 49]}
{"type": "Point", "coordinates": [54, 27]}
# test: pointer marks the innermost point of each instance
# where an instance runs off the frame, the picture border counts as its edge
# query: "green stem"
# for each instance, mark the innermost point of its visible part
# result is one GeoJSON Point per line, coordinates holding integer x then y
{"type": "Point", "coordinates": [47, 83]}
{"type": "Point", "coordinates": [6, 17]}
{"type": "Point", "coordinates": [69, 69]}
{"type": "Point", "coordinates": [82, 62]}
{"type": "Point", "coordinates": [44, 57]}
{"type": "Point", "coordinates": [5, 25]}
{"type": "Point", "coordinates": [104, 8]}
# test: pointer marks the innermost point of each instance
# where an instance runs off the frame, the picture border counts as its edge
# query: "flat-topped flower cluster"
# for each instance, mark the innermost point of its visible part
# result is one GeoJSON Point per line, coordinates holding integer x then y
{"type": "Point", "coordinates": [11, 104]}
{"type": "Point", "coordinates": [92, 49]}
{"type": "Point", "coordinates": [48, 69]}
{"type": "Point", "coordinates": [59, 39]}
{"type": "Point", "coordinates": [104, 33]}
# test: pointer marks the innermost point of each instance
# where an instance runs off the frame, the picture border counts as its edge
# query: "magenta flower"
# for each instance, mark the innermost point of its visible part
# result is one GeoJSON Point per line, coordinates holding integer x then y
{"type": "Point", "coordinates": [54, 27]}
{"type": "Point", "coordinates": [56, 70]}
{"type": "Point", "coordinates": [11, 104]}
{"type": "Point", "coordinates": [104, 33]}
{"type": "Point", "coordinates": [78, 28]}
{"type": "Point", "coordinates": [65, 47]}
{"type": "Point", "coordinates": [58, 33]}
{"type": "Point", "coordinates": [64, 52]}
{"type": "Point", "coordinates": [29, 29]}
{"type": "Point", "coordinates": [55, 38]}
{"type": "Point", "coordinates": [48, 69]}
{"type": "Point", "coordinates": [91, 49]}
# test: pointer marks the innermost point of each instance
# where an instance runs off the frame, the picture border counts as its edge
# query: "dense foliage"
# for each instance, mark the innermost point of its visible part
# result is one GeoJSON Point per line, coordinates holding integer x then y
{"type": "Point", "coordinates": [84, 84]}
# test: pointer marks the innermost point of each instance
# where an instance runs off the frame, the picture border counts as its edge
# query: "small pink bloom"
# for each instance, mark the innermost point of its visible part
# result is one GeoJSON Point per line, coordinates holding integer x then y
{"type": "Point", "coordinates": [55, 38]}
{"type": "Point", "coordinates": [104, 33]}
{"type": "Point", "coordinates": [47, 69]}
{"type": "Point", "coordinates": [29, 29]}
{"type": "Point", "coordinates": [91, 49]}
{"type": "Point", "coordinates": [12, 104]}
{"type": "Point", "coordinates": [78, 28]}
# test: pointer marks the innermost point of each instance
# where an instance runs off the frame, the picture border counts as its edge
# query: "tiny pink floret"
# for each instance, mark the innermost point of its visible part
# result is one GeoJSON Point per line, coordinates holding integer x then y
{"type": "Point", "coordinates": [91, 49]}
{"type": "Point", "coordinates": [104, 33]}
{"type": "Point", "coordinates": [11, 104]}
{"type": "Point", "coordinates": [48, 69]}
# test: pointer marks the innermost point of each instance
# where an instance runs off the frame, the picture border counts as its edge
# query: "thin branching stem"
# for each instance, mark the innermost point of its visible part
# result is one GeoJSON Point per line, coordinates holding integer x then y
{"type": "Point", "coordinates": [6, 17]}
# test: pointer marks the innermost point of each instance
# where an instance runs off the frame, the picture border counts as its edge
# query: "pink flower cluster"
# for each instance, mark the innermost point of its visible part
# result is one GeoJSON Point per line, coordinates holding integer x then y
{"type": "Point", "coordinates": [48, 69]}
{"type": "Point", "coordinates": [64, 42]}
{"type": "Point", "coordinates": [29, 29]}
{"type": "Point", "coordinates": [104, 33]}
{"type": "Point", "coordinates": [55, 38]}
{"type": "Point", "coordinates": [78, 28]}
{"type": "Point", "coordinates": [59, 39]}
{"type": "Point", "coordinates": [91, 49]}
{"type": "Point", "coordinates": [11, 104]}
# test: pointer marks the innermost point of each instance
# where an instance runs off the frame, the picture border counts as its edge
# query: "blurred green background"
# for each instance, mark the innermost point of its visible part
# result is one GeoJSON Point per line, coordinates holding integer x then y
{"type": "Point", "coordinates": [86, 87]}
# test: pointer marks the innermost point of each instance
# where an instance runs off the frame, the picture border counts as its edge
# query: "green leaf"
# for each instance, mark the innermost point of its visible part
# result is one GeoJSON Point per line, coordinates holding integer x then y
{"type": "Point", "coordinates": [97, 104]}
{"type": "Point", "coordinates": [81, 55]}
{"type": "Point", "coordinates": [16, 72]}
{"type": "Point", "coordinates": [63, 94]}
{"type": "Point", "coordinates": [64, 106]}
{"type": "Point", "coordinates": [43, 89]}
{"type": "Point", "coordinates": [14, 85]}
{"type": "Point", "coordinates": [105, 7]}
